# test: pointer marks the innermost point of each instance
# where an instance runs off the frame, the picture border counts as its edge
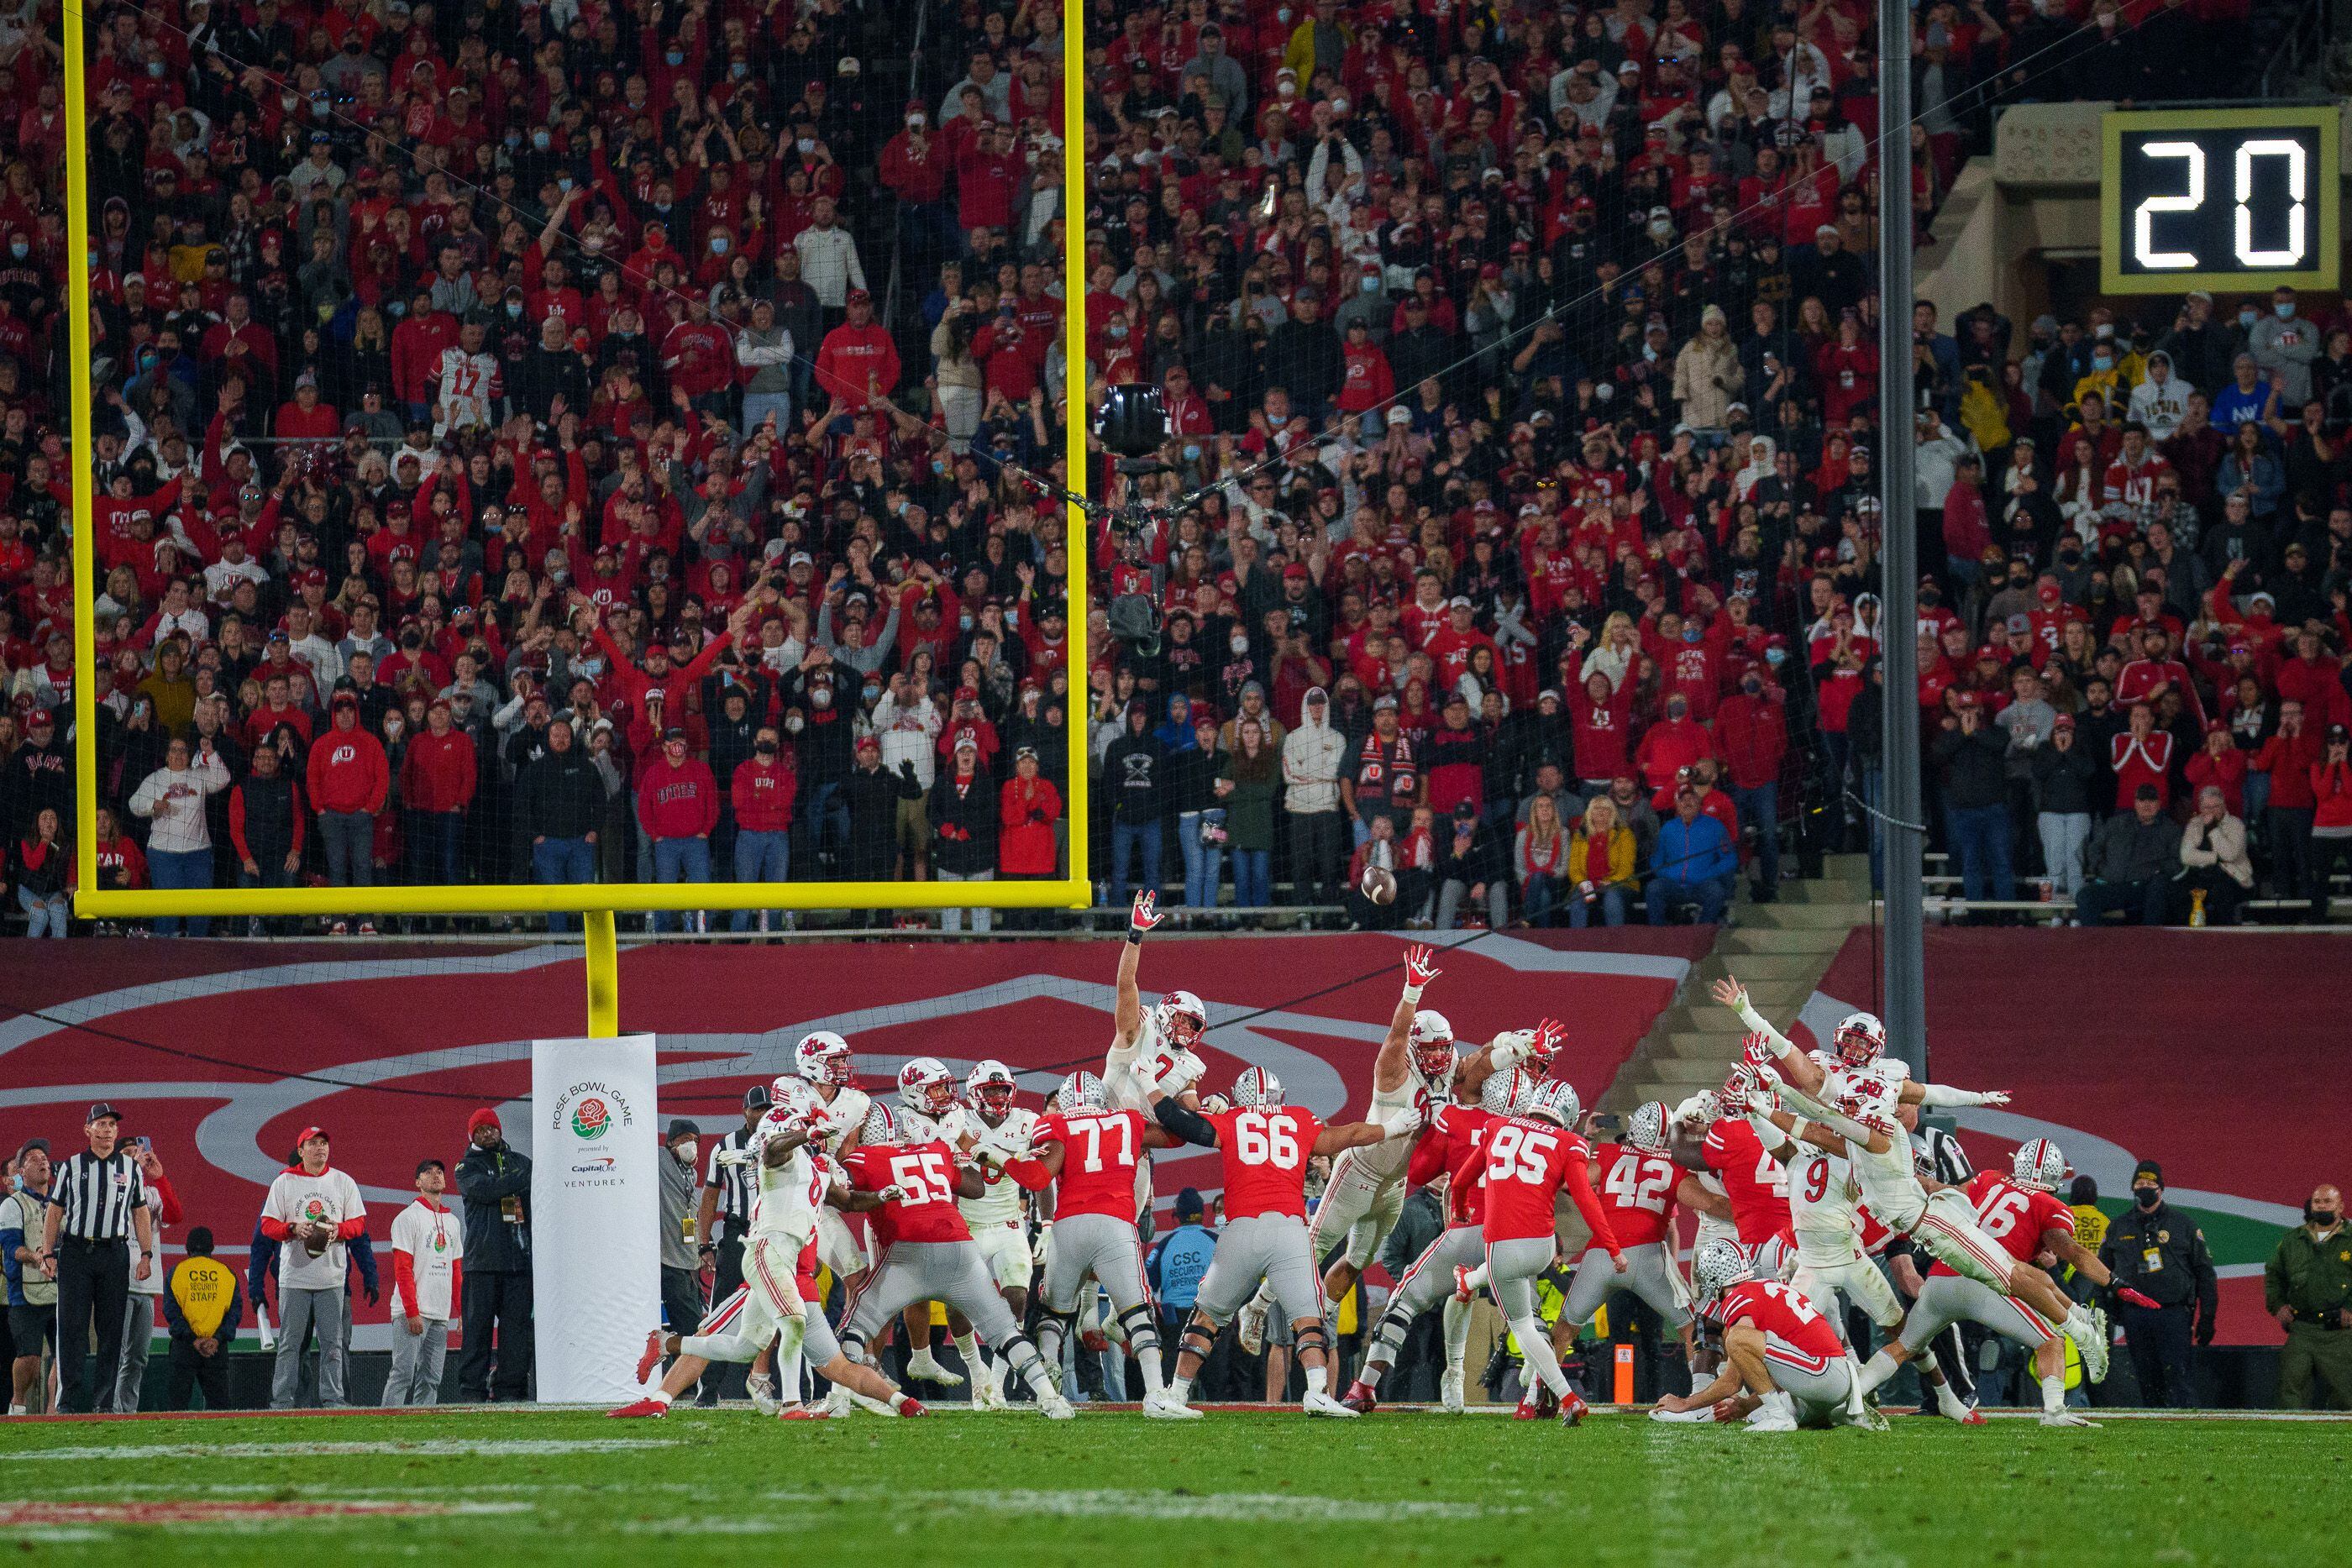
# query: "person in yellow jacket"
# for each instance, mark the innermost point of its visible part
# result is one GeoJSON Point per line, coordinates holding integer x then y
{"type": "Point", "coordinates": [202, 1309]}
{"type": "Point", "coordinates": [1600, 871]}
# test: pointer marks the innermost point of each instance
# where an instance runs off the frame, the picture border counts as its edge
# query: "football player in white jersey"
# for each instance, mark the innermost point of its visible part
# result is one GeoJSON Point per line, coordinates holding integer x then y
{"type": "Point", "coordinates": [1857, 1062]}
{"type": "Point", "coordinates": [794, 1185]}
{"type": "Point", "coordinates": [927, 1107]}
{"type": "Point", "coordinates": [990, 1126]}
{"type": "Point", "coordinates": [823, 1066]}
{"type": "Point", "coordinates": [1155, 1042]}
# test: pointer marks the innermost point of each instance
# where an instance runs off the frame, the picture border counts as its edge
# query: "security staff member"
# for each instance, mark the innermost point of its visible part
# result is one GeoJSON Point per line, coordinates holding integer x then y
{"type": "Point", "coordinates": [2159, 1251]}
{"type": "Point", "coordinates": [99, 1198]}
{"type": "Point", "coordinates": [201, 1309]}
{"type": "Point", "coordinates": [2308, 1287]}
{"type": "Point", "coordinates": [727, 1194]}
{"type": "Point", "coordinates": [681, 1284]}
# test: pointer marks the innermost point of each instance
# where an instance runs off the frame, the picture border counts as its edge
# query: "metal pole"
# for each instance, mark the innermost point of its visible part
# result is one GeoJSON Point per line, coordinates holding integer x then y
{"type": "Point", "coordinates": [1904, 981]}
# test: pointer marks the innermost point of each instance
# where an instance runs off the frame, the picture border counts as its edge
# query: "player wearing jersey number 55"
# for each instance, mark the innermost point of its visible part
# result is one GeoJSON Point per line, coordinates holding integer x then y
{"type": "Point", "coordinates": [1266, 1145]}
{"type": "Point", "coordinates": [1529, 1158]}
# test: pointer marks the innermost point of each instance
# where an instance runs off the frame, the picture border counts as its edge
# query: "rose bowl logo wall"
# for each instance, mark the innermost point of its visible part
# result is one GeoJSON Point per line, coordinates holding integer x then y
{"type": "Point", "coordinates": [587, 1114]}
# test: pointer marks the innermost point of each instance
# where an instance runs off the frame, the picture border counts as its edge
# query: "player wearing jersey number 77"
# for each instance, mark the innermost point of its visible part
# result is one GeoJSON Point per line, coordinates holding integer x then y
{"type": "Point", "coordinates": [1266, 1145]}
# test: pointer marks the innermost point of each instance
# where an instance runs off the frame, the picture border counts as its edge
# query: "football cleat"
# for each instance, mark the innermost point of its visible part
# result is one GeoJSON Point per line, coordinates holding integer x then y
{"type": "Point", "coordinates": [1449, 1391]}
{"type": "Point", "coordinates": [2093, 1345]}
{"type": "Point", "coordinates": [2065, 1419]}
{"type": "Point", "coordinates": [1318, 1403]}
{"type": "Point", "coordinates": [1546, 1402]}
{"type": "Point", "coordinates": [1168, 1407]}
{"type": "Point", "coordinates": [907, 1405]}
{"type": "Point", "coordinates": [1249, 1328]}
{"type": "Point", "coordinates": [1360, 1397]}
{"type": "Point", "coordinates": [839, 1402]}
{"type": "Point", "coordinates": [1971, 1416]}
{"type": "Point", "coordinates": [655, 1408]}
{"type": "Point", "coordinates": [1462, 1290]}
{"type": "Point", "coordinates": [1527, 1411]}
{"type": "Point", "coordinates": [804, 1413]}
{"type": "Point", "coordinates": [1698, 1413]}
{"type": "Point", "coordinates": [762, 1390]}
{"type": "Point", "coordinates": [923, 1364]}
{"type": "Point", "coordinates": [1057, 1409]}
{"type": "Point", "coordinates": [1573, 1409]}
{"type": "Point", "coordinates": [652, 1357]}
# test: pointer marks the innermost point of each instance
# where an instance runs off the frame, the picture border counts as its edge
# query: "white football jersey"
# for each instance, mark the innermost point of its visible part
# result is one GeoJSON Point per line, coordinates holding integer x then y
{"type": "Point", "coordinates": [1889, 1184]}
{"type": "Point", "coordinates": [1000, 1202]}
{"type": "Point", "coordinates": [788, 1195]}
{"type": "Point", "coordinates": [1710, 1228]}
{"type": "Point", "coordinates": [846, 1110]}
{"type": "Point", "coordinates": [1179, 1070]}
{"type": "Point", "coordinates": [1821, 1197]}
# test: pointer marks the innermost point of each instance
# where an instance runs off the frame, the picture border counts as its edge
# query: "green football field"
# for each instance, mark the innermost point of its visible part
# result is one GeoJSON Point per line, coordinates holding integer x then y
{"type": "Point", "coordinates": [508, 1488]}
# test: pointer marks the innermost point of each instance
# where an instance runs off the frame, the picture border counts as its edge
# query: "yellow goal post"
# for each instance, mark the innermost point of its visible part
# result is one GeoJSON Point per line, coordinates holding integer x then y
{"type": "Point", "coordinates": [597, 901]}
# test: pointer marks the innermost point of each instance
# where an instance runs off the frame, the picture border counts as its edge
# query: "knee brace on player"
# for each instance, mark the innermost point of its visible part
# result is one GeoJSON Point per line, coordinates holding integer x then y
{"type": "Point", "coordinates": [1200, 1337]}
{"type": "Point", "coordinates": [1316, 1338]}
{"type": "Point", "coordinates": [1141, 1333]}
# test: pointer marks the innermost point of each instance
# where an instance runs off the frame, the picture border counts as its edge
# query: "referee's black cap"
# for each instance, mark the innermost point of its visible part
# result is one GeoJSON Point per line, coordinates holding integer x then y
{"type": "Point", "coordinates": [100, 1110]}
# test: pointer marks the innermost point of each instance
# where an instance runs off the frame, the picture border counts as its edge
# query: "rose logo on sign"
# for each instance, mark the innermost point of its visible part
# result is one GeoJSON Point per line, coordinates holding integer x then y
{"type": "Point", "coordinates": [590, 1118]}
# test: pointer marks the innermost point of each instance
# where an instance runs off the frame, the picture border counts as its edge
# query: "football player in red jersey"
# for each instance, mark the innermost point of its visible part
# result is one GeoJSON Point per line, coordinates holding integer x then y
{"type": "Point", "coordinates": [1529, 1159]}
{"type": "Point", "coordinates": [2022, 1213]}
{"type": "Point", "coordinates": [1091, 1153]}
{"type": "Point", "coordinates": [1453, 1147]}
{"type": "Point", "coordinates": [926, 1251]}
{"type": "Point", "coordinates": [1718, 1138]}
{"type": "Point", "coordinates": [1787, 1366]}
{"type": "Point", "coordinates": [1266, 1145]}
{"type": "Point", "coordinates": [1640, 1189]}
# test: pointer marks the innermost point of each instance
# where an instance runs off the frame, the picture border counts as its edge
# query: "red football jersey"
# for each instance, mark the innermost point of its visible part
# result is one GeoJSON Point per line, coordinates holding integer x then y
{"type": "Point", "coordinates": [2016, 1217]}
{"type": "Point", "coordinates": [1528, 1163]}
{"type": "Point", "coordinates": [927, 1173]}
{"type": "Point", "coordinates": [1783, 1315]}
{"type": "Point", "coordinates": [1265, 1154]}
{"type": "Point", "coordinates": [1637, 1190]}
{"type": "Point", "coordinates": [1756, 1183]}
{"type": "Point", "coordinates": [1454, 1145]}
{"type": "Point", "coordinates": [1100, 1150]}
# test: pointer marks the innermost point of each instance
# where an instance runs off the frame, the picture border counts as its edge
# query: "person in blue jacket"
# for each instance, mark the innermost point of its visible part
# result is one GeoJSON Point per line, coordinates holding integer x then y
{"type": "Point", "coordinates": [1693, 862]}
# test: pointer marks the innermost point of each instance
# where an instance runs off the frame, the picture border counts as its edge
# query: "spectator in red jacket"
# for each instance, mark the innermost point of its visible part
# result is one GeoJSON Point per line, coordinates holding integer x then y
{"type": "Point", "coordinates": [1604, 722]}
{"type": "Point", "coordinates": [858, 360]}
{"type": "Point", "coordinates": [2221, 765]}
{"type": "Point", "coordinates": [1669, 746]}
{"type": "Point", "coordinates": [1751, 736]}
{"type": "Point", "coordinates": [2331, 817]}
{"type": "Point", "coordinates": [2288, 758]}
{"type": "Point", "coordinates": [349, 778]}
{"type": "Point", "coordinates": [2142, 753]}
{"type": "Point", "coordinates": [437, 780]}
{"type": "Point", "coordinates": [1027, 847]}
{"type": "Point", "coordinates": [761, 791]}
{"type": "Point", "coordinates": [677, 806]}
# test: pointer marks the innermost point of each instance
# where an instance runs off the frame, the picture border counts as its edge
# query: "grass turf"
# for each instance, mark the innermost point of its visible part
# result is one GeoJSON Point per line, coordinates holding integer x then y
{"type": "Point", "coordinates": [529, 1486]}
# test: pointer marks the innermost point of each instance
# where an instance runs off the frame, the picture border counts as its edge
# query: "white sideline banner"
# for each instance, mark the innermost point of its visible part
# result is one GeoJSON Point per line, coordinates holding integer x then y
{"type": "Point", "coordinates": [595, 1222]}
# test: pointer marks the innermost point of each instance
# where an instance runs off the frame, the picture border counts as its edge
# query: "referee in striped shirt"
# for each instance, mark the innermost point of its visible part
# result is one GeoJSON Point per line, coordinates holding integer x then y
{"type": "Point", "coordinates": [97, 1199]}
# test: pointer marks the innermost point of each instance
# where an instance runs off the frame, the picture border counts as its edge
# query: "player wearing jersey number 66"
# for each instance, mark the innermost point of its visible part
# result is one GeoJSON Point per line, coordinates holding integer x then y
{"type": "Point", "coordinates": [1529, 1158]}
{"type": "Point", "coordinates": [1265, 1145]}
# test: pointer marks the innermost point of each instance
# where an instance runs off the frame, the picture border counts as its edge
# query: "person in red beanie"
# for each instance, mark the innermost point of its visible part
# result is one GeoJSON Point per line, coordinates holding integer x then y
{"type": "Point", "coordinates": [495, 1182]}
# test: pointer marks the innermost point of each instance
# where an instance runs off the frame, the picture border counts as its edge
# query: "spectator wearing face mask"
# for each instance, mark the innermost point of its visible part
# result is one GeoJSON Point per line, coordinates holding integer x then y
{"type": "Point", "coordinates": [681, 1192]}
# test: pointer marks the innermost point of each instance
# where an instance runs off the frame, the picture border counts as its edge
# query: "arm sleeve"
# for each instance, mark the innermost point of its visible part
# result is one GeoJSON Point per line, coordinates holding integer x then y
{"type": "Point", "coordinates": [404, 1282]}
{"type": "Point", "coordinates": [1030, 1173]}
{"type": "Point", "coordinates": [1579, 1183]}
{"type": "Point", "coordinates": [1945, 1094]}
{"type": "Point", "coordinates": [1189, 1125]}
{"type": "Point", "coordinates": [1781, 1043]}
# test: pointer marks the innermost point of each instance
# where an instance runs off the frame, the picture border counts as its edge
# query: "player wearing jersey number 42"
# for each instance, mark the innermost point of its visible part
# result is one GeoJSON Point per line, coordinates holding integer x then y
{"type": "Point", "coordinates": [1264, 1145]}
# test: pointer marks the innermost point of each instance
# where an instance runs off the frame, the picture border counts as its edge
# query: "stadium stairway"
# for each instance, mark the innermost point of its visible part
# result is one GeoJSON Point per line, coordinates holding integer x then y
{"type": "Point", "coordinates": [1779, 951]}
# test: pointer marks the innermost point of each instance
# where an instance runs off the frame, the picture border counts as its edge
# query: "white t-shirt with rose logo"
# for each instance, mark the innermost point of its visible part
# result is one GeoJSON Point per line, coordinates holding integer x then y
{"type": "Point", "coordinates": [434, 1239]}
{"type": "Point", "coordinates": [330, 1197]}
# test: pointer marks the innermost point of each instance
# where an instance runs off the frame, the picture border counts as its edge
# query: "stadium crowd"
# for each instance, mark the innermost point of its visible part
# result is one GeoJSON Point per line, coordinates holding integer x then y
{"type": "Point", "coordinates": [580, 443]}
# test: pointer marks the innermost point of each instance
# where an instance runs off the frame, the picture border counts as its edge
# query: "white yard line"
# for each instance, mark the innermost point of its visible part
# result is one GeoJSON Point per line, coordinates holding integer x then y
{"type": "Point", "coordinates": [422, 1448]}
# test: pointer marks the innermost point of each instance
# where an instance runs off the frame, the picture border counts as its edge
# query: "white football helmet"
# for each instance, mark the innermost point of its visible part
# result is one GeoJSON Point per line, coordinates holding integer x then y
{"type": "Point", "coordinates": [883, 1125]}
{"type": "Point", "coordinates": [1704, 1109]}
{"type": "Point", "coordinates": [1509, 1092]}
{"type": "Point", "coordinates": [1081, 1092]}
{"type": "Point", "coordinates": [1182, 1018]}
{"type": "Point", "coordinates": [925, 1088]}
{"type": "Point", "coordinates": [824, 1057]}
{"type": "Point", "coordinates": [1645, 1129]}
{"type": "Point", "coordinates": [990, 1087]}
{"type": "Point", "coordinates": [1429, 1043]}
{"type": "Point", "coordinates": [1860, 1040]}
{"type": "Point", "coordinates": [1555, 1101]}
{"type": "Point", "coordinates": [1257, 1089]}
{"type": "Point", "coordinates": [1719, 1265]}
{"type": "Point", "coordinates": [2038, 1165]}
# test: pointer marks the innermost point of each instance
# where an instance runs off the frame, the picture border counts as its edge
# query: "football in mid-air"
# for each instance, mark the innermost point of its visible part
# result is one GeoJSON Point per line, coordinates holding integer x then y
{"type": "Point", "coordinates": [1377, 885]}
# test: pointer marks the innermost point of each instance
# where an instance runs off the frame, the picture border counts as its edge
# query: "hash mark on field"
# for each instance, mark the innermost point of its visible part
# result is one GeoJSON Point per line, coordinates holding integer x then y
{"type": "Point", "coordinates": [184, 1512]}
{"type": "Point", "coordinates": [1127, 1503]}
{"type": "Point", "coordinates": [431, 1448]}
